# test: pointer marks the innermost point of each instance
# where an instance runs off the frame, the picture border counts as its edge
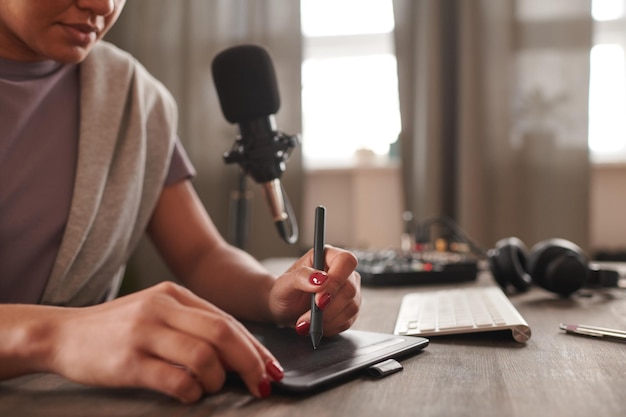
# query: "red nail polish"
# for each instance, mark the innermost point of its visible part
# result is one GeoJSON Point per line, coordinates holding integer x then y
{"type": "Point", "coordinates": [318, 278]}
{"type": "Point", "coordinates": [275, 370]}
{"type": "Point", "coordinates": [265, 387]}
{"type": "Point", "coordinates": [324, 300]}
{"type": "Point", "coordinates": [302, 328]}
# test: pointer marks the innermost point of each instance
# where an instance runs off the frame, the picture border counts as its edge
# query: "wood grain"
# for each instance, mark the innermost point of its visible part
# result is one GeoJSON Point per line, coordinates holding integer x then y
{"type": "Point", "coordinates": [554, 374]}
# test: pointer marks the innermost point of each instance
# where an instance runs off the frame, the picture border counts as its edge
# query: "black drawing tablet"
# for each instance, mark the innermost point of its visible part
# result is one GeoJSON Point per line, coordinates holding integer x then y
{"type": "Point", "coordinates": [336, 357]}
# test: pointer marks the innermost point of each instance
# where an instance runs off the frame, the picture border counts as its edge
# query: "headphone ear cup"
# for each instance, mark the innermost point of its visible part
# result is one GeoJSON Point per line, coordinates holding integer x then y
{"type": "Point", "coordinates": [558, 265]}
{"type": "Point", "coordinates": [507, 261]}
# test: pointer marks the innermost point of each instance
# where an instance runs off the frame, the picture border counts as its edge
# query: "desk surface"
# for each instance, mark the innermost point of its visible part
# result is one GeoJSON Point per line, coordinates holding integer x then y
{"type": "Point", "coordinates": [554, 374]}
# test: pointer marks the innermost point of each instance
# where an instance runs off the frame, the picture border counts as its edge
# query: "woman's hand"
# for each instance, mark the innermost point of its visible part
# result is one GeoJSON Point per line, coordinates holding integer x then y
{"type": "Point", "coordinates": [232, 279]}
{"type": "Point", "coordinates": [337, 289]}
{"type": "Point", "coordinates": [164, 338]}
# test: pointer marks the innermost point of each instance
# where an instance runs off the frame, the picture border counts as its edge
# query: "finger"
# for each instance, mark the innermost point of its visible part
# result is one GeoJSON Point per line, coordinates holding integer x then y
{"type": "Point", "coordinates": [347, 292]}
{"type": "Point", "coordinates": [237, 330]}
{"type": "Point", "coordinates": [340, 317]}
{"type": "Point", "coordinates": [242, 353]}
{"type": "Point", "coordinates": [291, 294]}
{"type": "Point", "coordinates": [203, 360]}
{"type": "Point", "coordinates": [189, 299]}
{"type": "Point", "coordinates": [336, 288]}
{"type": "Point", "coordinates": [341, 313]}
{"type": "Point", "coordinates": [343, 320]}
{"type": "Point", "coordinates": [158, 375]}
{"type": "Point", "coordinates": [237, 349]}
{"type": "Point", "coordinates": [191, 353]}
{"type": "Point", "coordinates": [339, 265]}
{"type": "Point", "coordinates": [340, 262]}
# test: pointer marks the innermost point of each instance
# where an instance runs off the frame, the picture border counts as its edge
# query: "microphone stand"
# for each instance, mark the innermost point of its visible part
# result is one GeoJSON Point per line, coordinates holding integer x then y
{"type": "Point", "coordinates": [255, 163]}
{"type": "Point", "coordinates": [240, 213]}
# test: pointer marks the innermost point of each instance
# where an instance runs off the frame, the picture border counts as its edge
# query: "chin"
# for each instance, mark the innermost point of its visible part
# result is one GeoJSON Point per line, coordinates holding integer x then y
{"type": "Point", "coordinates": [64, 51]}
{"type": "Point", "coordinates": [71, 57]}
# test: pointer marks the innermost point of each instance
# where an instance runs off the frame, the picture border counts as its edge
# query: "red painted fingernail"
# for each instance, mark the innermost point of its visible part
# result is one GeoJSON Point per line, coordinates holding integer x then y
{"type": "Point", "coordinates": [275, 370]}
{"type": "Point", "coordinates": [318, 278]}
{"type": "Point", "coordinates": [265, 387]}
{"type": "Point", "coordinates": [324, 300]}
{"type": "Point", "coordinates": [302, 328]}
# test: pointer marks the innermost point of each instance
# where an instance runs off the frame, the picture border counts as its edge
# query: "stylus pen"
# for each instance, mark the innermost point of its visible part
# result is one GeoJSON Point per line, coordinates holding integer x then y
{"type": "Point", "coordinates": [594, 331]}
{"type": "Point", "coordinates": [315, 330]}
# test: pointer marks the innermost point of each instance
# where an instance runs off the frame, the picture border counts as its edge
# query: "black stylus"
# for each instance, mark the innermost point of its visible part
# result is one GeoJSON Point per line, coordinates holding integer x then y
{"type": "Point", "coordinates": [315, 330]}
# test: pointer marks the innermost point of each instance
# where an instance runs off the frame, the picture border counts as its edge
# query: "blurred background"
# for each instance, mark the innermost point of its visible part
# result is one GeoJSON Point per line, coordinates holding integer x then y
{"type": "Point", "coordinates": [507, 116]}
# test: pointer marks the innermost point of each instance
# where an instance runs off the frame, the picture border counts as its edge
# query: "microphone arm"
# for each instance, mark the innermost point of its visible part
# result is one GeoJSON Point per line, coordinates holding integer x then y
{"type": "Point", "coordinates": [265, 162]}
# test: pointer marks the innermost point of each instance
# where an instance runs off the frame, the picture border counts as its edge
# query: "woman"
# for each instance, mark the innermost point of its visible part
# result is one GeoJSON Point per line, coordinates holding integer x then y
{"type": "Point", "coordinates": [89, 162]}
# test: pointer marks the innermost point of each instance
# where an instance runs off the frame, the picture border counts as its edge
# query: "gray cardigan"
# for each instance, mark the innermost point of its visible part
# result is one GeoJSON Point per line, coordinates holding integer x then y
{"type": "Point", "coordinates": [127, 132]}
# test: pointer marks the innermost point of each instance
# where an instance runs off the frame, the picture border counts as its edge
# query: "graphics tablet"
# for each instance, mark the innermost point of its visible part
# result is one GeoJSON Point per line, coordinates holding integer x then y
{"type": "Point", "coordinates": [336, 357]}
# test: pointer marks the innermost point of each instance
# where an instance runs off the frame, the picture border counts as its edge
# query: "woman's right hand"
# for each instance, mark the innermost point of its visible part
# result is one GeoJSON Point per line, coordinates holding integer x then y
{"type": "Point", "coordinates": [164, 338]}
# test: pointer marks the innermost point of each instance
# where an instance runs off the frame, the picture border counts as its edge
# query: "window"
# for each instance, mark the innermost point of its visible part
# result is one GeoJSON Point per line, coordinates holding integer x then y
{"type": "Point", "coordinates": [349, 80]}
{"type": "Point", "coordinates": [607, 90]}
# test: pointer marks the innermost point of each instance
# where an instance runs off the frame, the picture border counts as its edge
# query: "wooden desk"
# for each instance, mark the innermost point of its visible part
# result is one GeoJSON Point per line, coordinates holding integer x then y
{"type": "Point", "coordinates": [554, 374]}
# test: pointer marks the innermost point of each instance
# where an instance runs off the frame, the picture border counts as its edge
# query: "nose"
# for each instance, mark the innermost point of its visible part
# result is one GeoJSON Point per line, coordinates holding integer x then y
{"type": "Point", "coordinates": [98, 7]}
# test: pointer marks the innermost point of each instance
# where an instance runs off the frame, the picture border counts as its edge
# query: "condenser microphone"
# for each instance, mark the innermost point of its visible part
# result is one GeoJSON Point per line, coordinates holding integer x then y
{"type": "Point", "coordinates": [248, 94]}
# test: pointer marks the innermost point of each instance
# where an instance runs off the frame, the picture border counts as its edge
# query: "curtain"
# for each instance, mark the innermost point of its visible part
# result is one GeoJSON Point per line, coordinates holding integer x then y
{"type": "Point", "coordinates": [177, 41]}
{"type": "Point", "coordinates": [494, 107]}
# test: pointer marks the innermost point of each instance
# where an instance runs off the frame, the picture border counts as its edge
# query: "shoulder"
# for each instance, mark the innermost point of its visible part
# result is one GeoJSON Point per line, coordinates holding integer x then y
{"type": "Point", "coordinates": [106, 61]}
{"type": "Point", "coordinates": [109, 65]}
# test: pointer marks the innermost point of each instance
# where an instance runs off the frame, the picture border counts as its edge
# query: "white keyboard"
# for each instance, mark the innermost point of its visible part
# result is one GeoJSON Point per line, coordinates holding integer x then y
{"type": "Point", "coordinates": [460, 310]}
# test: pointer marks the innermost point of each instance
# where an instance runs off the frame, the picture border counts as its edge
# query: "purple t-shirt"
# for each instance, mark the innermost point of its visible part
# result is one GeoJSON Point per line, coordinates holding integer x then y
{"type": "Point", "coordinates": [39, 121]}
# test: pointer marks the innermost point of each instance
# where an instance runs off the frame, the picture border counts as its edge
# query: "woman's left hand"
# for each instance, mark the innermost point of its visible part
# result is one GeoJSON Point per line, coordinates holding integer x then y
{"type": "Point", "coordinates": [337, 292]}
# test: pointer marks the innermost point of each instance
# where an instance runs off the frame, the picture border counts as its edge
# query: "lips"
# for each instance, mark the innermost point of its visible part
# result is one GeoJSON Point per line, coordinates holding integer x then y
{"type": "Point", "coordinates": [83, 27]}
{"type": "Point", "coordinates": [81, 34]}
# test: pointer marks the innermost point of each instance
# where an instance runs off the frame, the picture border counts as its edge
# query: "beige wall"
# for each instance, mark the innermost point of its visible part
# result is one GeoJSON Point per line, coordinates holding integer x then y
{"type": "Point", "coordinates": [608, 207]}
{"type": "Point", "coordinates": [365, 206]}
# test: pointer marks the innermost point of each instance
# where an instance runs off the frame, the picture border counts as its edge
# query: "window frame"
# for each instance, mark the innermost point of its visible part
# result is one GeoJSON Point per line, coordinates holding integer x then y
{"type": "Point", "coordinates": [324, 47]}
{"type": "Point", "coordinates": [609, 32]}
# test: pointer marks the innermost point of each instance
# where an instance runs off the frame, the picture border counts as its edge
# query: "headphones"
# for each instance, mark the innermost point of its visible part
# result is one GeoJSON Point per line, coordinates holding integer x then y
{"type": "Point", "coordinates": [557, 265]}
